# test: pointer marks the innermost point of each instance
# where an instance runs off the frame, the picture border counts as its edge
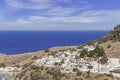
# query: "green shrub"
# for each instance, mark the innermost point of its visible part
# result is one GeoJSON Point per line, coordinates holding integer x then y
{"type": "Point", "coordinates": [75, 69]}
{"type": "Point", "coordinates": [34, 58]}
{"type": "Point", "coordinates": [104, 60]}
{"type": "Point", "coordinates": [35, 76]}
{"type": "Point", "coordinates": [109, 46]}
{"type": "Point", "coordinates": [90, 67]}
{"type": "Point", "coordinates": [56, 63]}
{"type": "Point", "coordinates": [83, 53]}
{"type": "Point", "coordinates": [33, 67]}
{"type": "Point", "coordinates": [115, 71]}
{"type": "Point", "coordinates": [79, 73]}
{"type": "Point", "coordinates": [2, 65]}
{"type": "Point", "coordinates": [47, 50]}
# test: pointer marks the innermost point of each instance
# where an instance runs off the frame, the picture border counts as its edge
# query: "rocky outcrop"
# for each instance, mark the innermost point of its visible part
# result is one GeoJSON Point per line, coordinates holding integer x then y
{"type": "Point", "coordinates": [117, 28]}
{"type": "Point", "coordinates": [113, 35]}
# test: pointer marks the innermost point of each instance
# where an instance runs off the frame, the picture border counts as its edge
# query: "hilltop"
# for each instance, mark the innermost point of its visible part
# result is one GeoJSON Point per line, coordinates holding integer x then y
{"type": "Point", "coordinates": [113, 35]}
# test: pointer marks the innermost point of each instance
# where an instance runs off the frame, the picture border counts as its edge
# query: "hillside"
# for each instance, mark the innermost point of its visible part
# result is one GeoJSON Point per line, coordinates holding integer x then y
{"type": "Point", "coordinates": [112, 49]}
{"type": "Point", "coordinates": [113, 35]}
{"type": "Point", "coordinates": [110, 43]}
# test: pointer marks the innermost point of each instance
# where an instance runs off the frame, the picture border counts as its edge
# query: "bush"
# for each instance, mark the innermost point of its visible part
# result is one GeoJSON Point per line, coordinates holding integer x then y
{"type": "Point", "coordinates": [26, 65]}
{"type": "Point", "coordinates": [18, 66]}
{"type": "Point", "coordinates": [83, 53]}
{"type": "Point", "coordinates": [35, 76]}
{"type": "Point", "coordinates": [47, 50]}
{"type": "Point", "coordinates": [22, 74]}
{"type": "Point", "coordinates": [35, 67]}
{"type": "Point", "coordinates": [104, 60]}
{"type": "Point", "coordinates": [90, 67]}
{"type": "Point", "coordinates": [2, 65]}
{"type": "Point", "coordinates": [56, 74]}
{"type": "Point", "coordinates": [79, 73]}
{"type": "Point", "coordinates": [109, 46]}
{"type": "Point", "coordinates": [91, 54]}
{"type": "Point", "coordinates": [79, 47]}
{"type": "Point", "coordinates": [88, 74]}
{"type": "Point", "coordinates": [99, 51]}
{"type": "Point", "coordinates": [56, 63]}
{"type": "Point", "coordinates": [34, 58]}
{"type": "Point", "coordinates": [53, 53]}
{"type": "Point", "coordinates": [115, 71]}
{"type": "Point", "coordinates": [75, 69]}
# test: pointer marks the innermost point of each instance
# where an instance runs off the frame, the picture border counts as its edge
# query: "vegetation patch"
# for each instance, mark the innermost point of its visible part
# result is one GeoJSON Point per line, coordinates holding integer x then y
{"type": "Point", "coordinates": [115, 71]}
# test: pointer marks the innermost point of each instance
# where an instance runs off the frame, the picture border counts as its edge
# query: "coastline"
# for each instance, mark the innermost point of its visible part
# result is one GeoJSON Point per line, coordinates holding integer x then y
{"type": "Point", "coordinates": [55, 48]}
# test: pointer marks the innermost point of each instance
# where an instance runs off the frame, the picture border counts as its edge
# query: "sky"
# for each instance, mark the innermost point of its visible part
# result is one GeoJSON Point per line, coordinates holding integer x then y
{"type": "Point", "coordinates": [59, 14]}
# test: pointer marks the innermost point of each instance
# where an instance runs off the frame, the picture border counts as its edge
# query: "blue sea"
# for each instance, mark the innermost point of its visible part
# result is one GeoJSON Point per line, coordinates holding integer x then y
{"type": "Point", "coordinates": [16, 42]}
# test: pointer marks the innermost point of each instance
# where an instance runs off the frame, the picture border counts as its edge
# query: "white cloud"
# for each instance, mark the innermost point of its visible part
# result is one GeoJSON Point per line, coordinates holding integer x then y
{"type": "Point", "coordinates": [74, 19]}
{"type": "Point", "coordinates": [60, 11]}
{"type": "Point", "coordinates": [54, 14]}
{"type": "Point", "coordinates": [42, 4]}
{"type": "Point", "coordinates": [105, 15]}
{"type": "Point", "coordinates": [49, 7]}
{"type": "Point", "coordinates": [85, 17]}
{"type": "Point", "coordinates": [92, 17]}
{"type": "Point", "coordinates": [31, 4]}
{"type": "Point", "coordinates": [39, 1]}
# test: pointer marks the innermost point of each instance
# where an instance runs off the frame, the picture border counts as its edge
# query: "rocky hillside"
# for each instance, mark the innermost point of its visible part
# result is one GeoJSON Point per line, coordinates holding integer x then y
{"type": "Point", "coordinates": [112, 49]}
{"type": "Point", "coordinates": [113, 35]}
{"type": "Point", "coordinates": [111, 42]}
{"type": "Point", "coordinates": [47, 73]}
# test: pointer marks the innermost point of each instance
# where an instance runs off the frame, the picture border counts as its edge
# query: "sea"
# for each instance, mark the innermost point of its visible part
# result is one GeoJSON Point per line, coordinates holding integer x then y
{"type": "Point", "coordinates": [17, 42]}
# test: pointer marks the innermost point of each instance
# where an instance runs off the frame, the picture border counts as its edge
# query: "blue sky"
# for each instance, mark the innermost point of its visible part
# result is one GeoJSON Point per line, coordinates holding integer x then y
{"type": "Point", "coordinates": [59, 14]}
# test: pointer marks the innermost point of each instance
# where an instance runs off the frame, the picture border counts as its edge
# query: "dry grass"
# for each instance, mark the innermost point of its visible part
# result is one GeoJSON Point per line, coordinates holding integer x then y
{"type": "Point", "coordinates": [113, 51]}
